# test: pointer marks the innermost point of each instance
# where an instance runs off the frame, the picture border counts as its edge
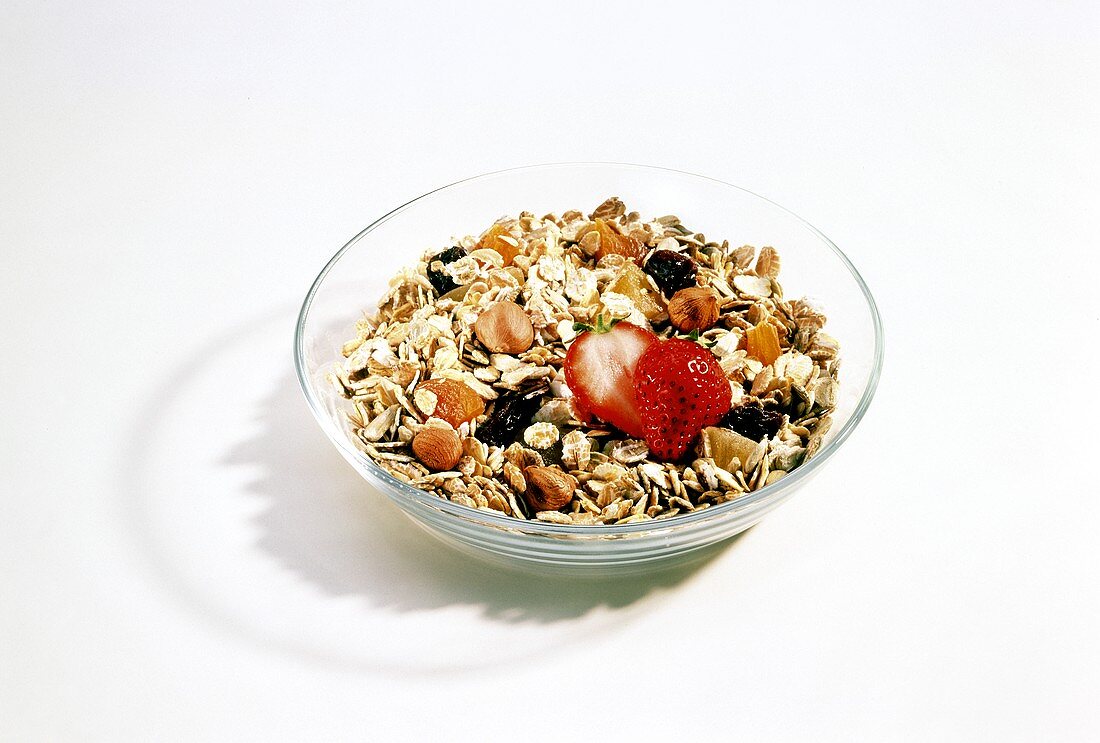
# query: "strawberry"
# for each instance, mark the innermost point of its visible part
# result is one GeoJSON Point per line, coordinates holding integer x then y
{"type": "Point", "coordinates": [599, 370]}
{"type": "Point", "coordinates": [680, 389]}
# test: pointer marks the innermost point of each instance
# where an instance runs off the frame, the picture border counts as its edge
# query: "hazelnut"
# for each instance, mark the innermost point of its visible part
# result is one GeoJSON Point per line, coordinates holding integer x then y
{"type": "Point", "coordinates": [505, 328]}
{"type": "Point", "coordinates": [438, 449]}
{"type": "Point", "coordinates": [548, 488]}
{"type": "Point", "coordinates": [694, 308]}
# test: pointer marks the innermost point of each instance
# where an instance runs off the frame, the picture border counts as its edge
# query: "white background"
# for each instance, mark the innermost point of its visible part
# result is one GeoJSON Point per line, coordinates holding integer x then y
{"type": "Point", "coordinates": [184, 557]}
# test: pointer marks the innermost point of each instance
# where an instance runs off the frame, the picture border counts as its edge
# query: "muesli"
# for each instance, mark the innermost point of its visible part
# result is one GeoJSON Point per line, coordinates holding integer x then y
{"type": "Point", "coordinates": [590, 369]}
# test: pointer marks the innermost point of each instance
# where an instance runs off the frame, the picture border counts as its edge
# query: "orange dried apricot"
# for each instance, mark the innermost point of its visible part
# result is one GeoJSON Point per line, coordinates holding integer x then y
{"type": "Point", "coordinates": [456, 402]}
{"type": "Point", "coordinates": [633, 282]}
{"type": "Point", "coordinates": [762, 342]}
{"type": "Point", "coordinates": [613, 242]}
{"type": "Point", "coordinates": [497, 238]}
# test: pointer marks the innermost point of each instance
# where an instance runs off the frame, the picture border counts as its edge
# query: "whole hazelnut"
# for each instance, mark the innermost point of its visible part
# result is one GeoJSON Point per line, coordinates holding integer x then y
{"type": "Point", "coordinates": [548, 488]}
{"type": "Point", "coordinates": [505, 328]}
{"type": "Point", "coordinates": [438, 449]}
{"type": "Point", "coordinates": [694, 308]}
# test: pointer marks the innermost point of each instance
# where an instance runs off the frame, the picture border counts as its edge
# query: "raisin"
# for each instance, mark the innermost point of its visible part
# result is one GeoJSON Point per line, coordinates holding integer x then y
{"type": "Point", "coordinates": [671, 270]}
{"type": "Point", "coordinates": [511, 414]}
{"type": "Point", "coordinates": [753, 422]}
{"type": "Point", "coordinates": [441, 281]}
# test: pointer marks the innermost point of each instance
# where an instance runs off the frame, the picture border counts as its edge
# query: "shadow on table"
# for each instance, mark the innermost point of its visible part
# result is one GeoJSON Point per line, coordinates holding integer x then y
{"type": "Point", "coordinates": [326, 525]}
{"type": "Point", "coordinates": [333, 529]}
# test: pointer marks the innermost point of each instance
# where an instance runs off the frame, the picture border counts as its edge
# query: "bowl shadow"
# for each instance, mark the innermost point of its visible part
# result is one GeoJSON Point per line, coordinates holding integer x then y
{"type": "Point", "coordinates": [319, 520]}
{"type": "Point", "coordinates": [333, 529]}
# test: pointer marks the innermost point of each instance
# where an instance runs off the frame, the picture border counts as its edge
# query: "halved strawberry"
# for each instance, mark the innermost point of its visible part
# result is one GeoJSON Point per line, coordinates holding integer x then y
{"type": "Point", "coordinates": [680, 389]}
{"type": "Point", "coordinates": [599, 370]}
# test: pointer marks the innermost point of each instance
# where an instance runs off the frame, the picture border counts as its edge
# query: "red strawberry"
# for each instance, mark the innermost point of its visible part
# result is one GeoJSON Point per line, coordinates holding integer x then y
{"type": "Point", "coordinates": [680, 389]}
{"type": "Point", "coordinates": [599, 370]}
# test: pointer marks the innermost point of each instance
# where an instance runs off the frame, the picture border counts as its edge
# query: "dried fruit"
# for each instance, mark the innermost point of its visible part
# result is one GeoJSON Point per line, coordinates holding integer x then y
{"type": "Point", "coordinates": [599, 369]}
{"type": "Point", "coordinates": [548, 488]}
{"type": "Point", "coordinates": [633, 283]}
{"type": "Point", "coordinates": [762, 342]}
{"type": "Point", "coordinates": [511, 414]}
{"type": "Point", "coordinates": [671, 271]}
{"type": "Point", "coordinates": [694, 308]}
{"type": "Point", "coordinates": [440, 280]}
{"type": "Point", "coordinates": [505, 328]}
{"type": "Point", "coordinates": [753, 422]}
{"type": "Point", "coordinates": [611, 241]}
{"type": "Point", "coordinates": [438, 449]}
{"type": "Point", "coordinates": [724, 446]}
{"type": "Point", "coordinates": [680, 389]}
{"type": "Point", "coordinates": [498, 239]}
{"type": "Point", "coordinates": [455, 402]}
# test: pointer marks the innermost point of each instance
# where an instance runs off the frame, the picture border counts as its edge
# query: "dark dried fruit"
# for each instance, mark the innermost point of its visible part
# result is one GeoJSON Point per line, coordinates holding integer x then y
{"type": "Point", "coordinates": [441, 281]}
{"type": "Point", "coordinates": [511, 414]}
{"type": "Point", "coordinates": [671, 270]}
{"type": "Point", "coordinates": [753, 422]}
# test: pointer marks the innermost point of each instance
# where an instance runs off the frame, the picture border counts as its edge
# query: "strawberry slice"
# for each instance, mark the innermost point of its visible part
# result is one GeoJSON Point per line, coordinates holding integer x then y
{"type": "Point", "coordinates": [599, 370]}
{"type": "Point", "coordinates": [680, 389]}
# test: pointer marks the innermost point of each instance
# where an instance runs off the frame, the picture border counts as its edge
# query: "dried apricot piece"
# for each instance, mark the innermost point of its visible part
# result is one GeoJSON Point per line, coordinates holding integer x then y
{"type": "Point", "coordinates": [612, 242]}
{"type": "Point", "coordinates": [497, 238]}
{"type": "Point", "coordinates": [633, 282]}
{"type": "Point", "coordinates": [454, 402]}
{"type": "Point", "coordinates": [762, 342]}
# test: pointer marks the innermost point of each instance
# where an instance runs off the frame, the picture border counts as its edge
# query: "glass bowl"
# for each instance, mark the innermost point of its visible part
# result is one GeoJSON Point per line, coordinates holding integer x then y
{"type": "Point", "coordinates": [358, 274]}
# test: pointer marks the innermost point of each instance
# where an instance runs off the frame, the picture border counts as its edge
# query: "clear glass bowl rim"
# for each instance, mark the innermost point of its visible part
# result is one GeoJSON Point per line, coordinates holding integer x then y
{"type": "Point", "coordinates": [509, 523]}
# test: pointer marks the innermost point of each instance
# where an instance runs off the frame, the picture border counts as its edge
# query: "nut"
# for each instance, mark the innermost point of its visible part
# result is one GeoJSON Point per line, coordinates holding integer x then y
{"type": "Point", "coordinates": [548, 488]}
{"type": "Point", "coordinates": [694, 308]}
{"type": "Point", "coordinates": [505, 328]}
{"type": "Point", "coordinates": [438, 449]}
